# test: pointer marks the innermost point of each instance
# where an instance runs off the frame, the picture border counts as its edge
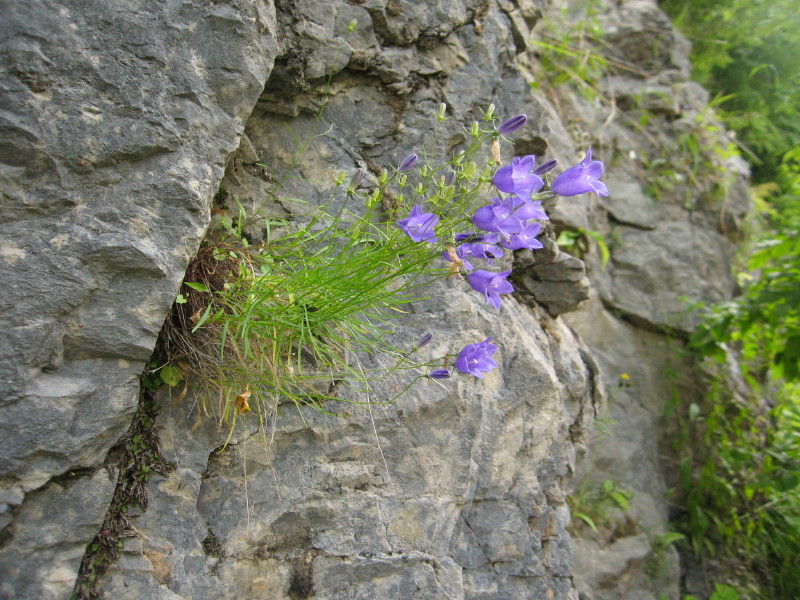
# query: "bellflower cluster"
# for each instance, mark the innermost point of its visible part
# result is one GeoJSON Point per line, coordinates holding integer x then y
{"type": "Point", "coordinates": [511, 221]}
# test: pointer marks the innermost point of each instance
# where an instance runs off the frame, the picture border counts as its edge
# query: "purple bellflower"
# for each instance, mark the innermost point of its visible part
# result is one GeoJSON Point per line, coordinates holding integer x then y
{"type": "Point", "coordinates": [483, 250]}
{"type": "Point", "coordinates": [408, 163]}
{"type": "Point", "coordinates": [475, 358]}
{"type": "Point", "coordinates": [512, 124]}
{"type": "Point", "coordinates": [490, 285]}
{"type": "Point", "coordinates": [517, 178]}
{"type": "Point", "coordinates": [529, 209]}
{"type": "Point", "coordinates": [498, 216]}
{"type": "Point", "coordinates": [420, 226]}
{"type": "Point", "coordinates": [524, 239]}
{"type": "Point", "coordinates": [582, 178]}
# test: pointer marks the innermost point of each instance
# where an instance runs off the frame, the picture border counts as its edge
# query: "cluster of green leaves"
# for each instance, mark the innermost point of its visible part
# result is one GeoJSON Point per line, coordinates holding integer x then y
{"type": "Point", "coordinates": [568, 52]}
{"type": "Point", "coordinates": [286, 318]}
{"type": "Point", "coordinates": [747, 50]}
{"type": "Point", "coordinates": [595, 505]}
{"type": "Point", "coordinates": [739, 473]}
{"type": "Point", "coordinates": [741, 455]}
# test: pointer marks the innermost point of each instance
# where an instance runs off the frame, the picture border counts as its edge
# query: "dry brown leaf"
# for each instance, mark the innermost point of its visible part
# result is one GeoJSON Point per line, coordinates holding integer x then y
{"type": "Point", "coordinates": [242, 402]}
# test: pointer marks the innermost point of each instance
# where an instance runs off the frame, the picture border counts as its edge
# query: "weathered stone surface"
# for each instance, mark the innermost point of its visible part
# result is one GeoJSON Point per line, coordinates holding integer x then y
{"type": "Point", "coordinates": [117, 119]}
{"type": "Point", "coordinates": [453, 490]}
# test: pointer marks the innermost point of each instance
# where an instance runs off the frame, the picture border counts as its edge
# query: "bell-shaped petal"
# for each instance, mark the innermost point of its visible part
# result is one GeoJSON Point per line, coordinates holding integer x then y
{"type": "Point", "coordinates": [517, 178]}
{"type": "Point", "coordinates": [528, 209]}
{"type": "Point", "coordinates": [490, 285]}
{"type": "Point", "coordinates": [582, 178]}
{"type": "Point", "coordinates": [474, 359]}
{"type": "Point", "coordinates": [524, 239]}
{"type": "Point", "coordinates": [419, 226]}
{"type": "Point", "coordinates": [498, 217]}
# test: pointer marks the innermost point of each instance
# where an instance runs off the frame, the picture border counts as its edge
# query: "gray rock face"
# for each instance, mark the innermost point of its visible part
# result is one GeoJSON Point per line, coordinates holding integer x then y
{"type": "Point", "coordinates": [117, 119]}
{"type": "Point", "coordinates": [453, 491]}
{"type": "Point", "coordinates": [117, 123]}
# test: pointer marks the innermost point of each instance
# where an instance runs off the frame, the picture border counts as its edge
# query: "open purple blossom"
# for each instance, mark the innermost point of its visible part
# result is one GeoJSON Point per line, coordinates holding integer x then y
{"type": "Point", "coordinates": [474, 359]}
{"type": "Point", "coordinates": [439, 374]}
{"type": "Point", "coordinates": [529, 209]}
{"type": "Point", "coordinates": [420, 226]}
{"type": "Point", "coordinates": [517, 178]}
{"type": "Point", "coordinates": [408, 163]}
{"type": "Point", "coordinates": [524, 239]}
{"type": "Point", "coordinates": [582, 178]}
{"type": "Point", "coordinates": [512, 124]}
{"type": "Point", "coordinates": [488, 252]}
{"type": "Point", "coordinates": [490, 285]}
{"type": "Point", "coordinates": [498, 216]}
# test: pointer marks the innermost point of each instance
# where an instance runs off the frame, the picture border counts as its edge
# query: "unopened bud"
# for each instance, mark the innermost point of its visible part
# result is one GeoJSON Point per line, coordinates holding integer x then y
{"type": "Point", "coordinates": [490, 111]}
{"type": "Point", "coordinates": [424, 340]}
{"type": "Point", "coordinates": [408, 163]}
{"type": "Point", "coordinates": [439, 374]}
{"type": "Point", "coordinates": [512, 124]}
{"type": "Point", "coordinates": [450, 178]}
{"type": "Point", "coordinates": [545, 167]}
{"type": "Point", "coordinates": [356, 179]}
{"type": "Point", "coordinates": [441, 111]}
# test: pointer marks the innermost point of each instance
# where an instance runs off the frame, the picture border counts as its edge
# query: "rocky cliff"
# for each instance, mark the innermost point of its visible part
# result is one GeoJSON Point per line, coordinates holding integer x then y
{"type": "Point", "coordinates": [120, 123]}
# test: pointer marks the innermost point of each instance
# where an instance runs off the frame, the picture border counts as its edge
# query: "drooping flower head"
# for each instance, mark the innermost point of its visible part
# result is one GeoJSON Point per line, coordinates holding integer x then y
{"type": "Point", "coordinates": [518, 178]}
{"type": "Point", "coordinates": [419, 226]}
{"type": "Point", "coordinates": [490, 285]}
{"type": "Point", "coordinates": [474, 359]}
{"type": "Point", "coordinates": [582, 178]}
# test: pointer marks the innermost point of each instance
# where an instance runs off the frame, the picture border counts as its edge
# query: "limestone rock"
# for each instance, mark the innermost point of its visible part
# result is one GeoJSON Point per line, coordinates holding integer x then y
{"type": "Point", "coordinates": [117, 120]}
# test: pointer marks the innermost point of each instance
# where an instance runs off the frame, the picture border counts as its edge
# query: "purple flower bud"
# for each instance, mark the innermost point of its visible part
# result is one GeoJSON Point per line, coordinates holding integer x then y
{"type": "Point", "coordinates": [439, 374]}
{"type": "Point", "coordinates": [423, 341]}
{"type": "Point", "coordinates": [408, 163]}
{"type": "Point", "coordinates": [512, 124]}
{"type": "Point", "coordinates": [545, 167]}
{"type": "Point", "coordinates": [583, 177]}
{"type": "Point", "coordinates": [474, 359]}
{"type": "Point", "coordinates": [450, 178]}
{"type": "Point", "coordinates": [490, 285]}
{"type": "Point", "coordinates": [357, 178]}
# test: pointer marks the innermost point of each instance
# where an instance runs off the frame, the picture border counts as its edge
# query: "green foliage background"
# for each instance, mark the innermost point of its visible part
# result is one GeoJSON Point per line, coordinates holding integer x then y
{"type": "Point", "coordinates": [740, 457]}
